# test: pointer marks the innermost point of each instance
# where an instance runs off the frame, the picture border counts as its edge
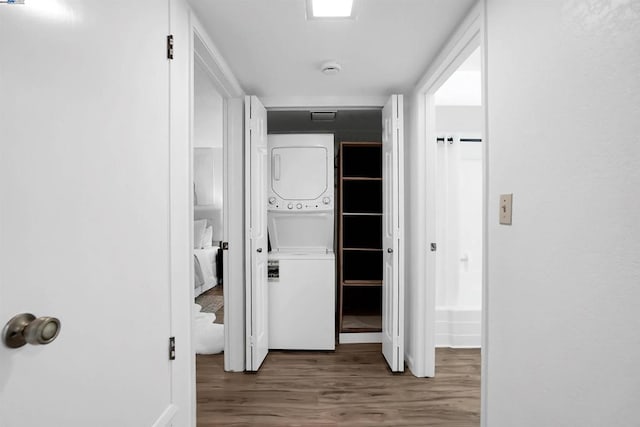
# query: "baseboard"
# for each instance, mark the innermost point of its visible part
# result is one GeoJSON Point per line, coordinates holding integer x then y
{"type": "Point", "coordinates": [458, 327]}
{"type": "Point", "coordinates": [166, 417]}
{"type": "Point", "coordinates": [360, 337]}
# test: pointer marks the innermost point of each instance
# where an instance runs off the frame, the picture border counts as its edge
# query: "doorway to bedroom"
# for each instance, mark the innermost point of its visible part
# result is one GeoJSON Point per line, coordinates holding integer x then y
{"type": "Point", "coordinates": [208, 195]}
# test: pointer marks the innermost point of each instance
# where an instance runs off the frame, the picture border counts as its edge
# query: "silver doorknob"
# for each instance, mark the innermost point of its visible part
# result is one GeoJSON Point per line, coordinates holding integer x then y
{"type": "Point", "coordinates": [259, 250]}
{"type": "Point", "coordinates": [26, 329]}
{"type": "Point", "coordinates": [390, 250]}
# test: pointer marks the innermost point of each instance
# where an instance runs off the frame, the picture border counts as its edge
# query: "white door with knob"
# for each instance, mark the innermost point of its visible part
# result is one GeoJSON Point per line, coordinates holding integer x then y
{"type": "Point", "coordinates": [392, 233]}
{"type": "Point", "coordinates": [84, 212]}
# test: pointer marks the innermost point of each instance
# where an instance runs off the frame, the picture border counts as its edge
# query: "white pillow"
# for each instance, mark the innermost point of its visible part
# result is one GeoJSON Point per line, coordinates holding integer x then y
{"type": "Point", "coordinates": [198, 232]}
{"type": "Point", "coordinates": [207, 237]}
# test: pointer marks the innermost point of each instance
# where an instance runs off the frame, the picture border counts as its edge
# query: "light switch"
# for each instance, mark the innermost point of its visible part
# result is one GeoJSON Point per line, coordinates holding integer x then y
{"type": "Point", "coordinates": [506, 201]}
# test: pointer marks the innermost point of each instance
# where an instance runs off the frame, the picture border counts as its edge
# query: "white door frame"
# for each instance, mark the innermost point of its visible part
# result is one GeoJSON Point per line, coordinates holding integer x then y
{"type": "Point", "coordinates": [183, 367]}
{"type": "Point", "coordinates": [233, 279]}
{"type": "Point", "coordinates": [185, 26]}
{"type": "Point", "coordinates": [468, 37]}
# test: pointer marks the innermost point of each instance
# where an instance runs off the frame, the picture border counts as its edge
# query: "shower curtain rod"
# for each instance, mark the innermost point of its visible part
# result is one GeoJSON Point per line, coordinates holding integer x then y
{"type": "Point", "coordinates": [450, 139]}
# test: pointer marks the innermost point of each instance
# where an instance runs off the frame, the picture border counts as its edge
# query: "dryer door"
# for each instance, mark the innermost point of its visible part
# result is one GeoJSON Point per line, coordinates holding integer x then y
{"type": "Point", "coordinates": [299, 172]}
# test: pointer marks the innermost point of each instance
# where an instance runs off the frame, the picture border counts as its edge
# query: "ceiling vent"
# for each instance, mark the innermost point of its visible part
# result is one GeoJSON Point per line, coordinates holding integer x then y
{"type": "Point", "coordinates": [323, 116]}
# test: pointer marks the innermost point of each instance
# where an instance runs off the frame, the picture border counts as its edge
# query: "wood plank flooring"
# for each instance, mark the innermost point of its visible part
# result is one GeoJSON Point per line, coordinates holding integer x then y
{"type": "Point", "coordinates": [349, 387]}
{"type": "Point", "coordinates": [211, 299]}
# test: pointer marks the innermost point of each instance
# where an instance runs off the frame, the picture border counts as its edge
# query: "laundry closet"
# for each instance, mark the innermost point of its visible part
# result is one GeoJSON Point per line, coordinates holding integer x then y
{"type": "Point", "coordinates": [337, 229]}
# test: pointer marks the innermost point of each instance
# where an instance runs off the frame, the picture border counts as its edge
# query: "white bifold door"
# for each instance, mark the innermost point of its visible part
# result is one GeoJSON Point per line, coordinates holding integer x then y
{"type": "Point", "coordinates": [392, 234]}
{"type": "Point", "coordinates": [256, 180]}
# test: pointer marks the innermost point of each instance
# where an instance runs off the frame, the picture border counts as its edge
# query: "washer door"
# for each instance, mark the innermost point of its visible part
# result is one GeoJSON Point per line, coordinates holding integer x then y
{"type": "Point", "coordinates": [301, 231]}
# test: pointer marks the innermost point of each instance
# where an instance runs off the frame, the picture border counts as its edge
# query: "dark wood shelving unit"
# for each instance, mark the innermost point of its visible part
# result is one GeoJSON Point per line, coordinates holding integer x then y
{"type": "Point", "coordinates": [360, 237]}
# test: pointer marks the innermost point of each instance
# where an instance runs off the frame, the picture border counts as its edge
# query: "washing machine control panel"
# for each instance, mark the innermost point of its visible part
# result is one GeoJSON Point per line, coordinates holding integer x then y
{"type": "Point", "coordinates": [320, 204]}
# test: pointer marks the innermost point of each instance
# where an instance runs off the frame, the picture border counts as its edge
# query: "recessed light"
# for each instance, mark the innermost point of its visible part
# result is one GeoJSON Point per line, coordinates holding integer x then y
{"type": "Point", "coordinates": [319, 9]}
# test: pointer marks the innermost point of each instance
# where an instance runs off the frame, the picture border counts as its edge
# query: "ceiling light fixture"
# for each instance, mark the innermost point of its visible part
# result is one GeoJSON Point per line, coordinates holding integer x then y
{"type": "Point", "coordinates": [329, 9]}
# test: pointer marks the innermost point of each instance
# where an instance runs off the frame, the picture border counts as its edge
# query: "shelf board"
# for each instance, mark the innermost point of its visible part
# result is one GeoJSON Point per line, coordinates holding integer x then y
{"type": "Point", "coordinates": [359, 337]}
{"type": "Point", "coordinates": [360, 178]}
{"type": "Point", "coordinates": [361, 322]}
{"type": "Point", "coordinates": [360, 330]}
{"type": "Point", "coordinates": [362, 143]}
{"type": "Point", "coordinates": [362, 283]}
{"type": "Point", "coordinates": [363, 249]}
{"type": "Point", "coordinates": [362, 213]}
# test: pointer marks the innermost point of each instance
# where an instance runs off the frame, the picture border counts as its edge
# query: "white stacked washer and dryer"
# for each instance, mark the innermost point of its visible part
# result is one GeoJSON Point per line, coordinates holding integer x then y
{"type": "Point", "coordinates": [302, 286]}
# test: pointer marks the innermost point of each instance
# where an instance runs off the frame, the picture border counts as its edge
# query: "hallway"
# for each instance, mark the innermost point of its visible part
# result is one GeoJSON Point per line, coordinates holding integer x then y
{"type": "Point", "coordinates": [351, 386]}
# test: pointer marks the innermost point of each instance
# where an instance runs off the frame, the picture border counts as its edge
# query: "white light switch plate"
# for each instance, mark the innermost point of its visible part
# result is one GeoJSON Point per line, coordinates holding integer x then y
{"type": "Point", "coordinates": [506, 201]}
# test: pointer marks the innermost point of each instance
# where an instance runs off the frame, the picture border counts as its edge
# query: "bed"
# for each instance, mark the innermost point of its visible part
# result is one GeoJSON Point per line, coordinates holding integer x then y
{"type": "Point", "coordinates": [206, 258]}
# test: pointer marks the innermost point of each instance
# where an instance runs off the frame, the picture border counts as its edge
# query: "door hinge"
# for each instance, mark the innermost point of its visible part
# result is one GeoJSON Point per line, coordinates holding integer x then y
{"type": "Point", "coordinates": [433, 247]}
{"type": "Point", "coordinates": [172, 348]}
{"type": "Point", "coordinates": [224, 246]}
{"type": "Point", "coordinates": [170, 46]}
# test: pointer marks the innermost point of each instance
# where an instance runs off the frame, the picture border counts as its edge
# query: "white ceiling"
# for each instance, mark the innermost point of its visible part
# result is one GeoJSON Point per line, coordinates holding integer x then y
{"type": "Point", "coordinates": [273, 50]}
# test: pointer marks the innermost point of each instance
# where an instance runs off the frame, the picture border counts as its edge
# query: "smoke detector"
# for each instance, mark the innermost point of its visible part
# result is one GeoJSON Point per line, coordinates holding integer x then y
{"type": "Point", "coordinates": [331, 68]}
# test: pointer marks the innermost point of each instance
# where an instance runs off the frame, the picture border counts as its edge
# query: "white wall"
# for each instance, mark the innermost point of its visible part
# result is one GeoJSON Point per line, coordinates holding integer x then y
{"type": "Point", "coordinates": [564, 279]}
